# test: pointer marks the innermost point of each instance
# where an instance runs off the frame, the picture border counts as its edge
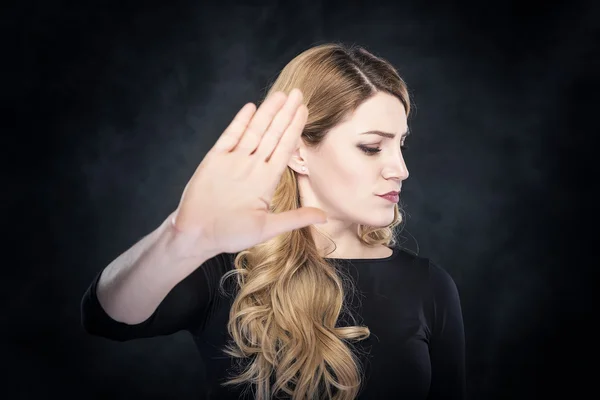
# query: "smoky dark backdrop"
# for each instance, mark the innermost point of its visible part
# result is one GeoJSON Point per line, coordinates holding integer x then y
{"type": "Point", "coordinates": [112, 105]}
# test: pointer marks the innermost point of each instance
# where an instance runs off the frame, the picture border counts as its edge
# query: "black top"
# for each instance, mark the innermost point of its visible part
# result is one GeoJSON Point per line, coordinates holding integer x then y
{"type": "Point", "coordinates": [416, 349]}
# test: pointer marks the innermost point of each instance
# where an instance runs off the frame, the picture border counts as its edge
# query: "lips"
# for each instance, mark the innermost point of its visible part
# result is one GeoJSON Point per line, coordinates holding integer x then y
{"type": "Point", "coordinates": [394, 197]}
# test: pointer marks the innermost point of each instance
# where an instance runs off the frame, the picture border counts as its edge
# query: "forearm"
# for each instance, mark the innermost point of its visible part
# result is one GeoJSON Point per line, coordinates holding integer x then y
{"type": "Point", "coordinates": [133, 285]}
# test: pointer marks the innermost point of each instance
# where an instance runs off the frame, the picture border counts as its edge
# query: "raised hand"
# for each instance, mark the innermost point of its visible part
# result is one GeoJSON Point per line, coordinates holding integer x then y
{"type": "Point", "coordinates": [226, 203]}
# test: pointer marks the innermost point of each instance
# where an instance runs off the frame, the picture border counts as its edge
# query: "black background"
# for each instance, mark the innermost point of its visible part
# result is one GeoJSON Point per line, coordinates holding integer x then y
{"type": "Point", "coordinates": [112, 105]}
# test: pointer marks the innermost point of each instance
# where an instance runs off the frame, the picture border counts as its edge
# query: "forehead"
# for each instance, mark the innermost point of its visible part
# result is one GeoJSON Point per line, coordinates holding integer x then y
{"type": "Point", "coordinates": [382, 112]}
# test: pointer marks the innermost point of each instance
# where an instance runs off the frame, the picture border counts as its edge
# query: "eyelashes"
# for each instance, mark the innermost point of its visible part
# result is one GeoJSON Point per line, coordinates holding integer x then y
{"type": "Point", "coordinates": [374, 150]}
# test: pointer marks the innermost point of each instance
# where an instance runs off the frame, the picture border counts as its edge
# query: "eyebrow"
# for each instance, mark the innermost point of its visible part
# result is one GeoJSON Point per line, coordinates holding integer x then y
{"type": "Point", "coordinates": [385, 134]}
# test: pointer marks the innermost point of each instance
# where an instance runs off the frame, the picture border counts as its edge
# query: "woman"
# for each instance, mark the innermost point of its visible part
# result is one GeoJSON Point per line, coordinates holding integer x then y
{"type": "Point", "coordinates": [277, 305]}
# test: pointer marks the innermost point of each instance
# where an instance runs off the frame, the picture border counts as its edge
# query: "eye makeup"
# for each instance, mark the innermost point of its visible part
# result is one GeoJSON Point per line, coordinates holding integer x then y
{"type": "Point", "coordinates": [375, 150]}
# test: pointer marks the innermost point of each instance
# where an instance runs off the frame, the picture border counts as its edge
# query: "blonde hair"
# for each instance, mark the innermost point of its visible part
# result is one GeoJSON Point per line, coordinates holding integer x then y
{"type": "Point", "coordinates": [283, 318]}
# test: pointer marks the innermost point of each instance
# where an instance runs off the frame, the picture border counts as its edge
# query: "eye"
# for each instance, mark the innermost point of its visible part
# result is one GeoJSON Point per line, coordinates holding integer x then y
{"type": "Point", "coordinates": [374, 150]}
{"type": "Point", "coordinates": [370, 150]}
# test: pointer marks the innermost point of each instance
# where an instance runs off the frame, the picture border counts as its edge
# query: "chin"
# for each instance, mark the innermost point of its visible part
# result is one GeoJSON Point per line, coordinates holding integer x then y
{"type": "Point", "coordinates": [379, 223]}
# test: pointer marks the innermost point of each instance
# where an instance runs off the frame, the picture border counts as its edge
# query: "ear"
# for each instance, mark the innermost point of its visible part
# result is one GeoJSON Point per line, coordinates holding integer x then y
{"type": "Point", "coordinates": [297, 162]}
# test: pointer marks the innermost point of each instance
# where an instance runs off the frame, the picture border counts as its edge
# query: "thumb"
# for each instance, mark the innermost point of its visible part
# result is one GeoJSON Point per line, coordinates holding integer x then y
{"type": "Point", "coordinates": [294, 219]}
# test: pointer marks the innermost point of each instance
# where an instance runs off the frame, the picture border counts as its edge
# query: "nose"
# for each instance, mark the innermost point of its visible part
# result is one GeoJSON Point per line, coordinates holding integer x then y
{"type": "Point", "coordinates": [397, 169]}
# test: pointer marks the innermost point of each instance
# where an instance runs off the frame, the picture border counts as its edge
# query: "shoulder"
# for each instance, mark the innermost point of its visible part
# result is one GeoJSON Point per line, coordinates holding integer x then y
{"type": "Point", "coordinates": [443, 296]}
{"type": "Point", "coordinates": [440, 295]}
{"type": "Point", "coordinates": [441, 280]}
{"type": "Point", "coordinates": [437, 280]}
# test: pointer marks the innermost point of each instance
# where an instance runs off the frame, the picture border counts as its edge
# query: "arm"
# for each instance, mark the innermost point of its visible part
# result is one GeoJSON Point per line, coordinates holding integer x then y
{"type": "Point", "coordinates": [447, 347]}
{"type": "Point", "coordinates": [151, 289]}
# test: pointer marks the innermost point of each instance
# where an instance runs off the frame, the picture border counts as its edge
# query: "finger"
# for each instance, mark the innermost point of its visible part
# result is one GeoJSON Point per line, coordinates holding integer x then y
{"type": "Point", "coordinates": [234, 131]}
{"type": "Point", "coordinates": [281, 122]}
{"type": "Point", "coordinates": [287, 221]}
{"type": "Point", "coordinates": [260, 122]}
{"type": "Point", "coordinates": [287, 145]}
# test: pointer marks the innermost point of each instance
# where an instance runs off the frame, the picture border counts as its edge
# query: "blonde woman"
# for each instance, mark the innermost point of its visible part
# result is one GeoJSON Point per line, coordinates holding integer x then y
{"type": "Point", "coordinates": [281, 258]}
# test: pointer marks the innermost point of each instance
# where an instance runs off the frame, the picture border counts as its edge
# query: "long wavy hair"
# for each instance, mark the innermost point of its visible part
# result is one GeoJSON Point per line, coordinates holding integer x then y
{"type": "Point", "coordinates": [283, 318]}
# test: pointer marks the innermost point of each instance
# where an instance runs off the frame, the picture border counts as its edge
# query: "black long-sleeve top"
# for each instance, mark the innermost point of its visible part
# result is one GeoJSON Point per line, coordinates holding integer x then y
{"type": "Point", "coordinates": [416, 349]}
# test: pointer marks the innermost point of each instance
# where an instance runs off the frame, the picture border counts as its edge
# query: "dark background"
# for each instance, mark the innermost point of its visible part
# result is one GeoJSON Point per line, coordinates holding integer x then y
{"type": "Point", "coordinates": [112, 105]}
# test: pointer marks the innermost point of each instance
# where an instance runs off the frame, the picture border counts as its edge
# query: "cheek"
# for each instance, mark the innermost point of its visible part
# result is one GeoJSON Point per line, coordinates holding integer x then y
{"type": "Point", "coordinates": [354, 183]}
{"type": "Point", "coordinates": [351, 176]}
{"type": "Point", "coordinates": [345, 173]}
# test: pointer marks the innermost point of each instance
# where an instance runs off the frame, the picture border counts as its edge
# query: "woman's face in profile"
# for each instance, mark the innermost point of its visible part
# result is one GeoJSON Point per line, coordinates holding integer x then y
{"type": "Point", "coordinates": [351, 168]}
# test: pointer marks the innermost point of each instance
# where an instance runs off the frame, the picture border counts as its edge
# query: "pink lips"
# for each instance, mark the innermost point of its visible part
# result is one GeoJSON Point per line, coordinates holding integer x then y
{"type": "Point", "coordinates": [391, 197]}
